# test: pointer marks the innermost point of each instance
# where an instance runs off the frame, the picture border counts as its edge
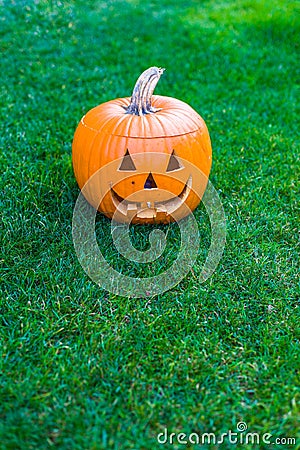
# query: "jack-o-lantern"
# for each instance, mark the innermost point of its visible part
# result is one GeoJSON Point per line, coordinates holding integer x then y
{"type": "Point", "coordinates": [153, 152]}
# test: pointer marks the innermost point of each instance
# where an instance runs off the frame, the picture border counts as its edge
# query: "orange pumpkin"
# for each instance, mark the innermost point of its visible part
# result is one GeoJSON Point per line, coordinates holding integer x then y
{"type": "Point", "coordinates": [153, 153]}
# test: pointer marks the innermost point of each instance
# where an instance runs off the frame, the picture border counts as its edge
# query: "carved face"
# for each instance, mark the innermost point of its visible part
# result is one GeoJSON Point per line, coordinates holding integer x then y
{"type": "Point", "coordinates": [152, 190]}
{"type": "Point", "coordinates": [150, 186]}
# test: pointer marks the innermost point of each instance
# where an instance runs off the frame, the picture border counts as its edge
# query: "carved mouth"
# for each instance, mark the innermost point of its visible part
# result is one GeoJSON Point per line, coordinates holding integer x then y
{"type": "Point", "coordinates": [150, 209]}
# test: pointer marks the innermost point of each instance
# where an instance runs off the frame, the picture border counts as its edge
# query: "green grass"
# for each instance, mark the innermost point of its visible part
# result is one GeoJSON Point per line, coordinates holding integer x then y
{"type": "Point", "coordinates": [84, 369]}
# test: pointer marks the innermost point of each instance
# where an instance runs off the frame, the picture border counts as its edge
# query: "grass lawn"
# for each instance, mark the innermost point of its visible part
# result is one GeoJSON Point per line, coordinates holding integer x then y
{"type": "Point", "coordinates": [84, 369]}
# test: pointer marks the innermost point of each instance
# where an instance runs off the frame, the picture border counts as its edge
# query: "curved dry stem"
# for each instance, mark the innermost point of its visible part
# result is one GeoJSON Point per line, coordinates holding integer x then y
{"type": "Point", "coordinates": [140, 103]}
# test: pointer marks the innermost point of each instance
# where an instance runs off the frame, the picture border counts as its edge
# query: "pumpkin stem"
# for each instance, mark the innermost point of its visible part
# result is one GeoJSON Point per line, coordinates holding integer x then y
{"type": "Point", "coordinates": [140, 103]}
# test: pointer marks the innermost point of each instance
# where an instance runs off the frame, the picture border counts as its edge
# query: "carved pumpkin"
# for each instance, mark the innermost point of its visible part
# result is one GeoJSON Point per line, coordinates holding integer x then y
{"type": "Point", "coordinates": [150, 148]}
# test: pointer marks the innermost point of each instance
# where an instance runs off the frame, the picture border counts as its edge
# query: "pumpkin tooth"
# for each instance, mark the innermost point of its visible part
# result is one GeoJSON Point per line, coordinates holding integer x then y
{"type": "Point", "coordinates": [131, 207]}
{"type": "Point", "coordinates": [161, 208]}
{"type": "Point", "coordinates": [146, 213]}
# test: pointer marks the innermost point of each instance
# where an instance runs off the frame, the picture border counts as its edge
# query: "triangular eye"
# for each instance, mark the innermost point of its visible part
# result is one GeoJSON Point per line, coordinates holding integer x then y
{"type": "Point", "coordinates": [174, 164]}
{"type": "Point", "coordinates": [127, 163]}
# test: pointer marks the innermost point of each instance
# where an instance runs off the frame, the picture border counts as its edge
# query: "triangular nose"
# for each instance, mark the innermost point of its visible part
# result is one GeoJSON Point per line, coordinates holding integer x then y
{"type": "Point", "coordinates": [150, 182]}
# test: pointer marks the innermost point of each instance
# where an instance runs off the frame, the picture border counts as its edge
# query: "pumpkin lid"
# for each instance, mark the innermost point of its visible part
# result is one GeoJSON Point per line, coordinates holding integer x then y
{"type": "Point", "coordinates": [172, 118]}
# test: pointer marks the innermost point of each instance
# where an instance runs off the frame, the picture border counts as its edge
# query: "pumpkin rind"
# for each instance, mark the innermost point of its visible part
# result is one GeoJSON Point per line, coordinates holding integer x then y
{"type": "Point", "coordinates": [107, 131]}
